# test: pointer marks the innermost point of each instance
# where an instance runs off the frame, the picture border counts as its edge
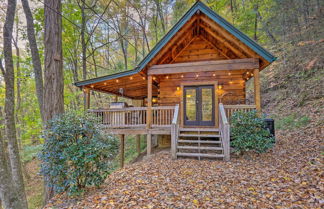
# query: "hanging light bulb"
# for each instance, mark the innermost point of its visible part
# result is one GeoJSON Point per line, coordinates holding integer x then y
{"type": "Point", "coordinates": [214, 74]}
{"type": "Point", "coordinates": [167, 77]}
{"type": "Point", "coordinates": [131, 78]}
{"type": "Point", "coordinates": [154, 78]}
{"type": "Point", "coordinates": [229, 73]}
{"type": "Point", "coordinates": [92, 86]}
{"type": "Point", "coordinates": [117, 81]}
{"type": "Point", "coordinates": [197, 75]}
{"type": "Point", "coordinates": [181, 76]}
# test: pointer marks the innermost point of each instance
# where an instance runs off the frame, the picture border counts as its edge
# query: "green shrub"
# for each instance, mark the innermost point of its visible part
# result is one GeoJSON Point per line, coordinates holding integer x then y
{"type": "Point", "coordinates": [248, 133]}
{"type": "Point", "coordinates": [76, 153]}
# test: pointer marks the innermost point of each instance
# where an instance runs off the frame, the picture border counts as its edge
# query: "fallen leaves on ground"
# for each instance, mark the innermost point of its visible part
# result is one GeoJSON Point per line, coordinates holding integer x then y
{"type": "Point", "coordinates": [289, 176]}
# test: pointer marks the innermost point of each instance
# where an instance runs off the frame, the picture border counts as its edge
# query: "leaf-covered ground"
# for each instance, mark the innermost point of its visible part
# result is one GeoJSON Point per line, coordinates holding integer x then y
{"type": "Point", "coordinates": [289, 176]}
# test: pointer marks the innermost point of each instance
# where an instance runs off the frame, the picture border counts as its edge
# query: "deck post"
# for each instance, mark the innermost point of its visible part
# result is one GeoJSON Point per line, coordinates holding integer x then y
{"type": "Point", "coordinates": [122, 150]}
{"type": "Point", "coordinates": [138, 144]}
{"type": "Point", "coordinates": [116, 98]}
{"type": "Point", "coordinates": [86, 97]}
{"type": "Point", "coordinates": [257, 91]}
{"type": "Point", "coordinates": [149, 102]}
{"type": "Point", "coordinates": [148, 144]}
{"type": "Point", "coordinates": [149, 115]}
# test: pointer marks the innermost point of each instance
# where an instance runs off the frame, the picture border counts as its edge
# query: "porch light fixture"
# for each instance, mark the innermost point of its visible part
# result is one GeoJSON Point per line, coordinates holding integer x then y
{"type": "Point", "coordinates": [154, 100]}
{"type": "Point", "coordinates": [178, 88]}
{"type": "Point", "coordinates": [220, 86]}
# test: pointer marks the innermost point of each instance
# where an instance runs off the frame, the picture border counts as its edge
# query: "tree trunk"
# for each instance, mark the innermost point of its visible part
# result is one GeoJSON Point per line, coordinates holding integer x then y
{"type": "Point", "coordinates": [10, 125]}
{"type": "Point", "coordinates": [53, 74]}
{"type": "Point", "coordinates": [35, 56]}
{"type": "Point", "coordinates": [83, 42]}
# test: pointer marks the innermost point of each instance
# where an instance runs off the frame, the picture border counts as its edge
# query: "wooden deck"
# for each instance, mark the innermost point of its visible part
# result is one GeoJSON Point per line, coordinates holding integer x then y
{"type": "Point", "coordinates": [166, 120]}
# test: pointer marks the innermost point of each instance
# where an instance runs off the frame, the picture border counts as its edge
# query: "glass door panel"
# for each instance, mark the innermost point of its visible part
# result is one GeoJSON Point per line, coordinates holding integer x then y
{"type": "Point", "coordinates": [199, 105]}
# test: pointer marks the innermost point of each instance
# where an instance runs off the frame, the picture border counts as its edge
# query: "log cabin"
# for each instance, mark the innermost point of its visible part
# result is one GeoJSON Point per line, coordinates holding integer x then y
{"type": "Point", "coordinates": [186, 87]}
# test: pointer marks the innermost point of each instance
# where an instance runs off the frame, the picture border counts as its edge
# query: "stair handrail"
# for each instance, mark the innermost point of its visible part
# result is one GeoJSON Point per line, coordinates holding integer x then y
{"type": "Point", "coordinates": [174, 132]}
{"type": "Point", "coordinates": [176, 114]}
{"type": "Point", "coordinates": [224, 128]}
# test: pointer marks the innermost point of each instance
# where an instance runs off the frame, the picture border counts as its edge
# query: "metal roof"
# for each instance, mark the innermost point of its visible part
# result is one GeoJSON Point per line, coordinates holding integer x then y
{"type": "Point", "coordinates": [198, 6]}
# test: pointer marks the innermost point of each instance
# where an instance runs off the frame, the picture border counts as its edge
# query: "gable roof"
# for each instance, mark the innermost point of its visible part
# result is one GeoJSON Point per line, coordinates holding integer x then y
{"type": "Point", "coordinates": [198, 6]}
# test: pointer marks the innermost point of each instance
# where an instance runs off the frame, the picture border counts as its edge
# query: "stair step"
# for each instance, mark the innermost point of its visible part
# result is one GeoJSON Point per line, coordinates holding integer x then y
{"type": "Point", "coordinates": [185, 154]}
{"type": "Point", "coordinates": [199, 141]}
{"type": "Point", "coordinates": [199, 129]}
{"type": "Point", "coordinates": [200, 148]}
{"type": "Point", "coordinates": [200, 135]}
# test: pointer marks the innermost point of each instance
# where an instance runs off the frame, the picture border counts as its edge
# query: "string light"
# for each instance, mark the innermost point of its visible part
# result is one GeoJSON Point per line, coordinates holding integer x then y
{"type": "Point", "coordinates": [105, 83]}
{"type": "Point", "coordinates": [131, 78]}
{"type": "Point", "coordinates": [92, 86]}
{"type": "Point", "coordinates": [214, 74]}
{"type": "Point", "coordinates": [247, 73]}
{"type": "Point", "coordinates": [229, 73]}
{"type": "Point", "coordinates": [117, 81]}
{"type": "Point", "coordinates": [167, 77]}
{"type": "Point", "coordinates": [143, 78]}
{"type": "Point", "coordinates": [154, 78]}
{"type": "Point", "coordinates": [181, 76]}
{"type": "Point", "coordinates": [197, 75]}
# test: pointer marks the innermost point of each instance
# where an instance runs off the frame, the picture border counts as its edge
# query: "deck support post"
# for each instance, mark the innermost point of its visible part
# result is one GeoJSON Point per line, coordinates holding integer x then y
{"type": "Point", "coordinates": [138, 144]}
{"type": "Point", "coordinates": [149, 102]}
{"type": "Point", "coordinates": [86, 98]}
{"type": "Point", "coordinates": [149, 115]}
{"type": "Point", "coordinates": [148, 144]}
{"type": "Point", "coordinates": [122, 150]}
{"type": "Point", "coordinates": [116, 98]}
{"type": "Point", "coordinates": [257, 90]}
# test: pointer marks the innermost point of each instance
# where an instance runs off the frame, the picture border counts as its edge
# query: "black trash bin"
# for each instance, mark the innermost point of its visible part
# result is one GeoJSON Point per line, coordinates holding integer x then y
{"type": "Point", "coordinates": [269, 125]}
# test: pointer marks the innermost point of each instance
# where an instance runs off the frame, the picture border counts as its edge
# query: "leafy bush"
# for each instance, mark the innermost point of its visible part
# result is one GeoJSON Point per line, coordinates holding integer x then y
{"type": "Point", "coordinates": [248, 133]}
{"type": "Point", "coordinates": [76, 153]}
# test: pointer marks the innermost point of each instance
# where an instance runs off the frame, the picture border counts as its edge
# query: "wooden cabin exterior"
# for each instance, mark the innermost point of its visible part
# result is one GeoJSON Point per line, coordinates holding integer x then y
{"type": "Point", "coordinates": [188, 86]}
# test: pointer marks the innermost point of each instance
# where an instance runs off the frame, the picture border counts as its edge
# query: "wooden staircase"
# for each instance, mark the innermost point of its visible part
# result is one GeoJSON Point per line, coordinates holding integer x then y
{"type": "Point", "coordinates": [200, 143]}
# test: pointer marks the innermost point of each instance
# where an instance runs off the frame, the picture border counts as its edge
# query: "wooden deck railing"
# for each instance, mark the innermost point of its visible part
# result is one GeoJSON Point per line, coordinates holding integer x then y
{"type": "Point", "coordinates": [224, 129]}
{"type": "Point", "coordinates": [134, 116]}
{"type": "Point", "coordinates": [230, 109]}
{"type": "Point", "coordinates": [162, 116]}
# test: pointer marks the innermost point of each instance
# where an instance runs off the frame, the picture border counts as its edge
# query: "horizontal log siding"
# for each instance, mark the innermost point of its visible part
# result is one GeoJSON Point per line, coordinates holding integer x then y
{"type": "Point", "coordinates": [169, 95]}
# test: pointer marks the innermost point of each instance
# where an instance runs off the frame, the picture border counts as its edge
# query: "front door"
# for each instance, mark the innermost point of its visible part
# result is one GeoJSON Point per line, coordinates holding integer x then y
{"type": "Point", "coordinates": [199, 106]}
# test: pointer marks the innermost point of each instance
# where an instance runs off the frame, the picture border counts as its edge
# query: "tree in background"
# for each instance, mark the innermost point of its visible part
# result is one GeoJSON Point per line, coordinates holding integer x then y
{"type": "Point", "coordinates": [12, 189]}
{"type": "Point", "coordinates": [53, 76]}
